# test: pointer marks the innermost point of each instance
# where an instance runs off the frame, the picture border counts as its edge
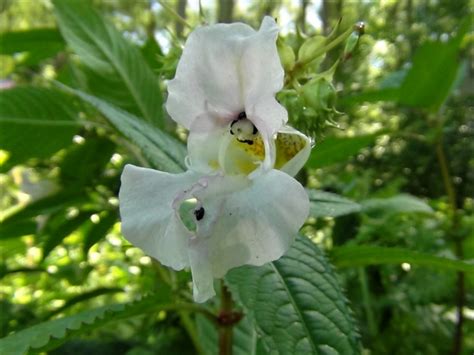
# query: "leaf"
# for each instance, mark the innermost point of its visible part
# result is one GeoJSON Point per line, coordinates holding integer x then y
{"type": "Point", "coordinates": [18, 229]}
{"type": "Point", "coordinates": [296, 303]}
{"type": "Point", "coordinates": [435, 68]}
{"type": "Point", "coordinates": [34, 123]}
{"type": "Point", "coordinates": [48, 335]}
{"type": "Point", "coordinates": [40, 44]}
{"type": "Point", "coordinates": [402, 203]}
{"type": "Point", "coordinates": [62, 230]}
{"type": "Point", "coordinates": [375, 95]}
{"type": "Point", "coordinates": [103, 49]}
{"type": "Point", "coordinates": [98, 231]}
{"type": "Point", "coordinates": [84, 297]}
{"type": "Point", "coordinates": [163, 151]}
{"type": "Point", "coordinates": [363, 255]}
{"type": "Point", "coordinates": [334, 150]}
{"type": "Point", "coordinates": [245, 338]}
{"type": "Point", "coordinates": [83, 163]}
{"type": "Point", "coordinates": [327, 204]}
{"type": "Point", "coordinates": [47, 205]}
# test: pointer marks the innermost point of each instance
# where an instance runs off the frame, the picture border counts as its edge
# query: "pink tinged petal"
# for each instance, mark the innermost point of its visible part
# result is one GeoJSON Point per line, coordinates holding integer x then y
{"type": "Point", "coordinates": [148, 218]}
{"type": "Point", "coordinates": [208, 73]}
{"type": "Point", "coordinates": [254, 224]}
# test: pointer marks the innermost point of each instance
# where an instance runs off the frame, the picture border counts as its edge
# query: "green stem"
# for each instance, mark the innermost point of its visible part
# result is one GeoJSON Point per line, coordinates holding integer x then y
{"type": "Point", "coordinates": [225, 330]}
{"type": "Point", "coordinates": [174, 13]}
{"type": "Point", "coordinates": [458, 246]}
{"type": "Point", "coordinates": [367, 302]}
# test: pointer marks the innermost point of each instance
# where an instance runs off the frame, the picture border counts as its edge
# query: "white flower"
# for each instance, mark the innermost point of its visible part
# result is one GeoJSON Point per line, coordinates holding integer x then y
{"type": "Point", "coordinates": [238, 203]}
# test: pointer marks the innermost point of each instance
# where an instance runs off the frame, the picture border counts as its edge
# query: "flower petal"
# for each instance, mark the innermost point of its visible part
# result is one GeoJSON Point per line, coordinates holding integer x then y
{"type": "Point", "coordinates": [226, 69]}
{"type": "Point", "coordinates": [254, 222]}
{"type": "Point", "coordinates": [148, 218]}
{"type": "Point", "coordinates": [201, 269]}
{"type": "Point", "coordinates": [208, 73]}
{"type": "Point", "coordinates": [292, 150]}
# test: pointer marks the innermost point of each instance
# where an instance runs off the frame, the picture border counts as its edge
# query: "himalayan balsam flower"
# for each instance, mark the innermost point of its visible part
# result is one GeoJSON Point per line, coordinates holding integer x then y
{"type": "Point", "coordinates": [238, 203]}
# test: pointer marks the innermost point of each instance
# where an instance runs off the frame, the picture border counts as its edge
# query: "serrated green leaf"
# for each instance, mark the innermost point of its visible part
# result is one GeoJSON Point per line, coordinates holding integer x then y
{"type": "Point", "coordinates": [296, 303]}
{"type": "Point", "coordinates": [163, 151]}
{"type": "Point", "coordinates": [244, 337]}
{"type": "Point", "coordinates": [34, 123]}
{"type": "Point", "coordinates": [334, 150]}
{"type": "Point", "coordinates": [103, 49]}
{"type": "Point", "coordinates": [402, 203]}
{"type": "Point", "coordinates": [363, 255]}
{"type": "Point", "coordinates": [48, 335]}
{"type": "Point", "coordinates": [328, 204]}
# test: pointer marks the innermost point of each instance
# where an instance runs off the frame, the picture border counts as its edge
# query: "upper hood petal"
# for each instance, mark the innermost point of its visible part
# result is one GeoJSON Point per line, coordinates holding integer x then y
{"type": "Point", "coordinates": [222, 67]}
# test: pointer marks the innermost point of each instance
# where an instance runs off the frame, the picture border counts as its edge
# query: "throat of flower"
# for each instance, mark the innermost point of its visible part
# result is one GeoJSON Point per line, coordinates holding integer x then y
{"type": "Point", "coordinates": [240, 153]}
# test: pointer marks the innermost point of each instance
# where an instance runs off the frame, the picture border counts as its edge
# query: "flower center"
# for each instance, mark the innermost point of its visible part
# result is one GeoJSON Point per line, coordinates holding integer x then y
{"type": "Point", "coordinates": [243, 129]}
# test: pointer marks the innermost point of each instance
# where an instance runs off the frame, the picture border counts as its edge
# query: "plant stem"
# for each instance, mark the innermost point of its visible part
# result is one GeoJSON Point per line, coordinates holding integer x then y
{"type": "Point", "coordinates": [458, 246]}
{"type": "Point", "coordinates": [367, 302]}
{"type": "Point", "coordinates": [225, 328]}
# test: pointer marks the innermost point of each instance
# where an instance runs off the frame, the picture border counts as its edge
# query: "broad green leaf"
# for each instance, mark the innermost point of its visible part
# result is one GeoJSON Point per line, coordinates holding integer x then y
{"type": "Point", "coordinates": [363, 255]}
{"type": "Point", "coordinates": [244, 337]}
{"type": "Point", "coordinates": [163, 151]}
{"type": "Point", "coordinates": [38, 43]}
{"type": "Point", "coordinates": [83, 297]}
{"type": "Point", "coordinates": [334, 150]}
{"type": "Point", "coordinates": [34, 123]}
{"type": "Point", "coordinates": [402, 203]}
{"type": "Point", "coordinates": [103, 49]}
{"type": "Point", "coordinates": [84, 163]}
{"type": "Point", "coordinates": [296, 303]}
{"type": "Point", "coordinates": [59, 231]}
{"type": "Point", "coordinates": [48, 335]}
{"type": "Point", "coordinates": [18, 229]}
{"type": "Point", "coordinates": [435, 68]}
{"type": "Point", "coordinates": [98, 231]}
{"type": "Point", "coordinates": [328, 204]}
{"type": "Point", "coordinates": [375, 95]}
{"type": "Point", "coordinates": [47, 205]}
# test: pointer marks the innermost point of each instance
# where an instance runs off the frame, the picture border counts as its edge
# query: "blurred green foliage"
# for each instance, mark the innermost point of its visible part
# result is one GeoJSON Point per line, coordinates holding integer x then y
{"type": "Point", "coordinates": [391, 176]}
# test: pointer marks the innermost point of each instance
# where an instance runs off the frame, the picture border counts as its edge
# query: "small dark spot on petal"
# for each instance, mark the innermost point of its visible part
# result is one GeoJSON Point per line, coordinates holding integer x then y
{"type": "Point", "coordinates": [199, 213]}
{"type": "Point", "coordinates": [242, 115]}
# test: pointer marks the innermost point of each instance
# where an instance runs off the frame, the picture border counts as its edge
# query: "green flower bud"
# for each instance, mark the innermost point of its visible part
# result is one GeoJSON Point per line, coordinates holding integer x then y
{"type": "Point", "coordinates": [287, 56]}
{"type": "Point", "coordinates": [309, 49]}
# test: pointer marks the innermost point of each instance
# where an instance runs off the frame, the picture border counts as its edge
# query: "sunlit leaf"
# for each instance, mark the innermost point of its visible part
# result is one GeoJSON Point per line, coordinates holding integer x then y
{"type": "Point", "coordinates": [163, 151]}
{"type": "Point", "coordinates": [39, 44]}
{"type": "Point", "coordinates": [35, 123]}
{"type": "Point", "coordinates": [328, 204]}
{"type": "Point", "coordinates": [334, 150]}
{"type": "Point", "coordinates": [363, 255]}
{"type": "Point", "coordinates": [49, 335]}
{"type": "Point", "coordinates": [101, 47]}
{"type": "Point", "coordinates": [402, 203]}
{"type": "Point", "coordinates": [296, 303]}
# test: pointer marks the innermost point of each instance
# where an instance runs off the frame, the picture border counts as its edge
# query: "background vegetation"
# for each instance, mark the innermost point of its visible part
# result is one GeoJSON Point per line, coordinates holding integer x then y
{"type": "Point", "coordinates": [391, 177]}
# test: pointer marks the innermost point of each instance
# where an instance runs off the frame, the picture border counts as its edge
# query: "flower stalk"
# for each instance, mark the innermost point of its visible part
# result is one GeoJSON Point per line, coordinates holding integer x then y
{"type": "Point", "coordinates": [226, 320]}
